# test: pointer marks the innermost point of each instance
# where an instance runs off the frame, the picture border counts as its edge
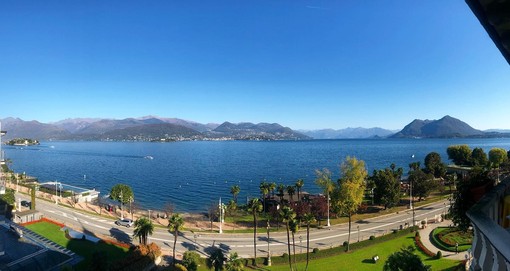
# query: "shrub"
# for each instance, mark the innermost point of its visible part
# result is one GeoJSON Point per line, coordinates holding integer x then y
{"type": "Point", "coordinates": [180, 267]}
{"type": "Point", "coordinates": [315, 250]}
{"type": "Point", "coordinates": [372, 237]}
{"type": "Point", "coordinates": [190, 260]}
{"type": "Point", "coordinates": [395, 231]}
{"type": "Point", "coordinates": [417, 234]}
{"type": "Point", "coordinates": [345, 243]}
{"type": "Point", "coordinates": [439, 254]}
{"type": "Point", "coordinates": [285, 255]}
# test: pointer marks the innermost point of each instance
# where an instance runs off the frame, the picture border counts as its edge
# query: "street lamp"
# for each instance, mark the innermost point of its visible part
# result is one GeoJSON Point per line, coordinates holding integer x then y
{"type": "Point", "coordinates": [149, 215]}
{"type": "Point", "coordinates": [358, 233]}
{"type": "Point", "coordinates": [301, 244]}
{"type": "Point", "coordinates": [268, 252]}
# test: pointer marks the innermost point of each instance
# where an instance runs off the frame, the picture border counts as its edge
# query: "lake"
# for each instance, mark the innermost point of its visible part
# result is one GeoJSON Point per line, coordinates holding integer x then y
{"type": "Point", "coordinates": [193, 175]}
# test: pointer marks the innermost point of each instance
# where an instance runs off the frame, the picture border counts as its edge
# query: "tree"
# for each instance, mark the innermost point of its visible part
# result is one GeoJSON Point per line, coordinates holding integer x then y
{"type": "Point", "coordinates": [308, 219]}
{"type": "Point", "coordinates": [479, 157]}
{"type": "Point", "coordinates": [216, 259]}
{"type": "Point", "coordinates": [459, 154]}
{"type": "Point", "coordinates": [323, 180]}
{"type": "Point", "coordinates": [291, 190]}
{"type": "Point", "coordinates": [234, 190]}
{"type": "Point", "coordinates": [299, 184]}
{"type": "Point", "coordinates": [143, 228]}
{"type": "Point", "coordinates": [123, 194]}
{"type": "Point", "coordinates": [294, 227]}
{"type": "Point", "coordinates": [281, 191]}
{"type": "Point", "coordinates": [32, 198]}
{"type": "Point", "coordinates": [422, 183]}
{"type": "Point", "coordinates": [434, 165]}
{"type": "Point", "coordinates": [255, 207]}
{"type": "Point", "coordinates": [387, 187]}
{"type": "Point", "coordinates": [405, 260]}
{"type": "Point", "coordinates": [264, 190]}
{"type": "Point", "coordinates": [175, 224]}
{"type": "Point", "coordinates": [288, 215]}
{"type": "Point", "coordinates": [213, 213]}
{"type": "Point", "coordinates": [8, 197]}
{"type": "Point", "coordinates": [351, 188]}
{"type": "Point", "coordinates": [497, 156]}
{"type": "Point", "coordinates": [231, 210]}
{"type": "Point", "coordinates": [272, 187]}
{"type": "Point", "coordinates": [319, 208]}
{"type": "Point", "coordinates": [234, 263]}
{"type": "Point", "coordinates": [191, 259]}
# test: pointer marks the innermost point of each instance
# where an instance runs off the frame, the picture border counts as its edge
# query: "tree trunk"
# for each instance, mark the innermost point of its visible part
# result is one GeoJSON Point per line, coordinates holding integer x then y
{"type": "Point", "coordinates": [288, 245]}
{"type": "Point", "coordinates": [175, 242]}
{"type": "Point", "coordinates": [349, 235]}
{"type": "Point", "coordinates": [255, 239]}
{"type": "Point", "coordinates": [294, 249]}
{"type": "Point", "coordinates": [307, 245]}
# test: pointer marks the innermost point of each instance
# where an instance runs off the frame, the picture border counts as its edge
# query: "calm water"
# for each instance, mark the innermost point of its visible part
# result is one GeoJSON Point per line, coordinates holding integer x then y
{"type": "Point", "coordinates": [192, 175]}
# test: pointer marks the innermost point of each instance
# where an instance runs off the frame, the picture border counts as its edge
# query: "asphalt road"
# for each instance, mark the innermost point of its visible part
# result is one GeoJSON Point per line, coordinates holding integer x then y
{"type": "Point", "coordinates": [241, 243]}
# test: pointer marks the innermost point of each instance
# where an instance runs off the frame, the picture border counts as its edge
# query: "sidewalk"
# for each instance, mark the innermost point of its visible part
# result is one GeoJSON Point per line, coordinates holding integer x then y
{"type": "Point", "coordinates": [425, 239]}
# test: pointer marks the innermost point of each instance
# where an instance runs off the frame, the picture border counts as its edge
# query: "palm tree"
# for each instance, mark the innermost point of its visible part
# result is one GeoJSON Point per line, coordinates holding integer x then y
{"type": "Point", "coordinates": [234, 190]}
{"type": "Point", "coordinates": [175, 224]}
{"type": "Point", "coordinates": [216, 259]}
{"type": "Point", "coordinates": [255, 207]}
{"type": "Point", "coordinates": [272, 187]}
{"type": "Point", "coordinates": [231, 209]}
{"type": "Point", "coordinates": [281, 191]}
{"type": "Point", "coordinates": [324, 181]}
{"type": "Point", "coordinates": [308, 218]}
{"type": "Point", "coordinates": [143, 228]}
{"type": "Point", "coordinates": [291, 190]}
{"type": "Point", "coordinates": [299, 184]}
{"type": "Point", "coordinates": [264, 189]}
{"type": "Point", "coordinates": [294, 227]}
{"type": "Point", "coordinates": [234, 263]}
{"type": "Point", "coordinates": [288, 215]}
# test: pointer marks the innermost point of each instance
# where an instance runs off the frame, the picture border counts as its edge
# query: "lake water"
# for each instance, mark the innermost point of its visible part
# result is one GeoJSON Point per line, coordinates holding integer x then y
{"type": "Point", "coordinates": [193, 175]}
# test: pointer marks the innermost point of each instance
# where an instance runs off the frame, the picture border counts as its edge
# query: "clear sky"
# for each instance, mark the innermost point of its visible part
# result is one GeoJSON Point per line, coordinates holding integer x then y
{"type": "Point", "coordinates": [303, 64]}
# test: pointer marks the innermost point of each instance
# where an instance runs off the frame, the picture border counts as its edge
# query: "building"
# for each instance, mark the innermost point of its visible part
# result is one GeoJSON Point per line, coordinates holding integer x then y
{"type": "Point", "coordinates": [490, 217]}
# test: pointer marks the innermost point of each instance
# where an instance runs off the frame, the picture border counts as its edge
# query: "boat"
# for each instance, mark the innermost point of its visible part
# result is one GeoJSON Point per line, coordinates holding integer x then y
{"type": "Point", "coordinates": [149, 157]}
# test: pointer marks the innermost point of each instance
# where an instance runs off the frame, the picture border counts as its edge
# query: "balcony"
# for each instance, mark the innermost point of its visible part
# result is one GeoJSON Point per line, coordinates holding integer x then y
{"type": "Point", "coordinates": [490, 218]}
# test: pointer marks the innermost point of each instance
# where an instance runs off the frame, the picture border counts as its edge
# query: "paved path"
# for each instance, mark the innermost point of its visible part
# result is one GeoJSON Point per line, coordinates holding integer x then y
{"type": "Point", "coordinates": [425, 239]}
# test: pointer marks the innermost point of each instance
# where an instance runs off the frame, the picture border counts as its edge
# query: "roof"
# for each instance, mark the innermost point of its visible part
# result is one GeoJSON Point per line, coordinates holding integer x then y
{"type": "Point", "coordinates": [494, 15]}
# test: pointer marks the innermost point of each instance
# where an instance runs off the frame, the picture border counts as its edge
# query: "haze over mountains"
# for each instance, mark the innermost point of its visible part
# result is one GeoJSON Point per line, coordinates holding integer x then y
{"type": "Point", "coordinates": [151, 128]}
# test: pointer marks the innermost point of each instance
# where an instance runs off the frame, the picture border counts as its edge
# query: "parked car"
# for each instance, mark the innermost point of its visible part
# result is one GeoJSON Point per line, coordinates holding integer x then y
{"type": "Point", "coordinates": [124, 222]}
{"type": "Point", "coordinates": [25, 203]}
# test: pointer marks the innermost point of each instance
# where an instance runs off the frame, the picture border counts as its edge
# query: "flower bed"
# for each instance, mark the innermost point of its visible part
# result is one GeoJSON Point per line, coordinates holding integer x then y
{"type": "Point", "coordinates": [420, 245]}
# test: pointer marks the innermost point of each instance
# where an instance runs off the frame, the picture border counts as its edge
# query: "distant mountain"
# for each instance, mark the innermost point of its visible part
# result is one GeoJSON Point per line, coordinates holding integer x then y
{"type": "Point", "coordinates": [348, 133]}
{"type": "Point", "coordinates": [503, 131]}
{"type": "Point", "coordinates": [186, 123]}
{"type": "Point", "coordinates": [152, 132]}
{"type": "Point", "coordinates": [74, 125]}
{"type": "Point", "coordinates": [446, 127]}
{"type": "Point", "coordinates": [17, 128]}
{"type": "Point", "coordinates": [261, 131]}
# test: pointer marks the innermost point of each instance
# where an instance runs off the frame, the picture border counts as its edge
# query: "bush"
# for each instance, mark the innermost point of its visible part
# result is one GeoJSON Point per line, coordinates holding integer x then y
{"type": "Point", "coordinates": [395, 231]}
{"type": "Point", "coordinates": [345, 243]}
{"type": "Point", "coordinates": [417, 234]}
{"type": "Point", "coordinates": [439, 255]}
{"type": "Point", "coordinates": [285, 255]}
{"type": "Point", "coordinates": [179, 267]}
{"type": "Point", "coordinates": [190, 260]}
{"type": "Point", "coordinates": [372, 237]}
{"type": "Point", "coordinates": [315, 250]}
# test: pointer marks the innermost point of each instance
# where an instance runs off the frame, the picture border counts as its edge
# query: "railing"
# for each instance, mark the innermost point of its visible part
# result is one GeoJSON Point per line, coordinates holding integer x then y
{"type": "Point", "coordinates": [491, 242]}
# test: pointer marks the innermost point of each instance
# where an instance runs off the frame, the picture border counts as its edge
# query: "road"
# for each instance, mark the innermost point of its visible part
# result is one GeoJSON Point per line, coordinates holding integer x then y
{"type": "Point", "coordinates": [241, 243]}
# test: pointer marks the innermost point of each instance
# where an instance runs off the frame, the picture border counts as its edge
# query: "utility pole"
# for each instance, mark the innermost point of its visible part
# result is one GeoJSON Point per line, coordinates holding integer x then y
{"type": "Point", "coordinates": [221, 218]}
{"type": "Point", "coordinates": [268, 251]}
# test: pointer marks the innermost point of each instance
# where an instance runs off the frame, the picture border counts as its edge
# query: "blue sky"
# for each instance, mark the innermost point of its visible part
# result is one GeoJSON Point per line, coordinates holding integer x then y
{"type": "Point", "coordinates": [303, 64]}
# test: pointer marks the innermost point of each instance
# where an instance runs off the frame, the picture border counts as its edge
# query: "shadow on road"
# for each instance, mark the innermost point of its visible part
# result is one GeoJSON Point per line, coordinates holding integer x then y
{"type": "Point", "coordinates": [120, 235]}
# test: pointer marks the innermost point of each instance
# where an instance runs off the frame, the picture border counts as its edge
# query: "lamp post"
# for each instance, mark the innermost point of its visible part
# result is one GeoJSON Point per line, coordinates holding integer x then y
{"type": "Point", "coordinates": [301, 244]}
{"type": "Point", "coordinates": [268, 251]}
{"type": "Point", "coordinates": [149, 215]}
{"type": "Point", "coordinates": [358, 233]}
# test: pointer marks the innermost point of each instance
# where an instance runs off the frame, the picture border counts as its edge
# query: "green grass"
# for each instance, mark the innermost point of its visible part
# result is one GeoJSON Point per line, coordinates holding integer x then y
{"type": "Point", "coordinates": [361, 259]}
{"type": "Point", "coordinates": [451, 236]}
{"type": "Point", "coordinates": [83, 248]}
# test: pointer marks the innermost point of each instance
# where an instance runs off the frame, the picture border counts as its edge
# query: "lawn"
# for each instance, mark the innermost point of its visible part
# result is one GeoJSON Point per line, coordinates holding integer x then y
{"type": "Point", "coordinates": [83, 248]}
{"type": "Point", "coordinates": [361, 259]}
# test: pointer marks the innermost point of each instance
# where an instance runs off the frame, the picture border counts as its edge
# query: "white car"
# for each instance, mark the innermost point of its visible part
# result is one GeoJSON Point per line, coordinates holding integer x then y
{"type": "Point", "coordinates": [124, 222]}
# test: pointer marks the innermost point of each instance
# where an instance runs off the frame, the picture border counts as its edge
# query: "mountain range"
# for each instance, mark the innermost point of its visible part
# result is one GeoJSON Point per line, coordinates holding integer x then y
{"type": "Point", "coordinates": [152, 128]}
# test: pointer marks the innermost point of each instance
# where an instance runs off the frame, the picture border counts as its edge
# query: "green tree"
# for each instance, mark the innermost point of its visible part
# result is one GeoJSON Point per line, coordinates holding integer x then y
{"type": "Point", "coordinates": [459, 154]}
{"type": "Point", "coordinates": [123, 194]}
{"type": "Point", "coordinates": [234, 263]}
{"type": "Point", "coordinates": [234, 190]}
{"type": "Point", "coordinates": [32, 198]}
{"type": "Point", "coordinates": [434, 165]}
{"type": "Point", "coordinates": [272, 187]}
{"type": "Point", "coordinates": [299, 184]}
{"type": "Point", "coordinates": [387, 187]}
{"type": "Point", "coordinates": [288, 215]}
{"type": "Point", "coordinates": [231, 210]}
{"type": "Point", "coordinates": [8, 197]}
{"type": "Point", "coordinates": [264, 190]}
{"type": "Point", "coordinates": [191, 259]}
{"type": "Point", "coordinates": [216, 259]}
{"type": "Point", "coordinates": [422, 183]}
{"type": "Point", "coordinates": [294, 227]}
{"type": "Point", "coordinates": [175, 224]}
{"type": "Point", "coordinates": [308, 219]}
{"type": "Point", "coordinates": [281, 191]}
{"type": "Point", "coordinates": [143, 228]}
{"type": "Point", "coordinates": [255, 207]}
{"type": "Point", "coordinates": [323, 180]}
{"type": "Point", "coordinates": [351, 188]}
{"type": "Point", "coordinates": [405, 260]}
{"type": "Point", "coordinates": [479, 157]}
{"type": "Point", "coordinates": [497, 156]}
{"type": "Point", "coordinates": [291, 190]}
